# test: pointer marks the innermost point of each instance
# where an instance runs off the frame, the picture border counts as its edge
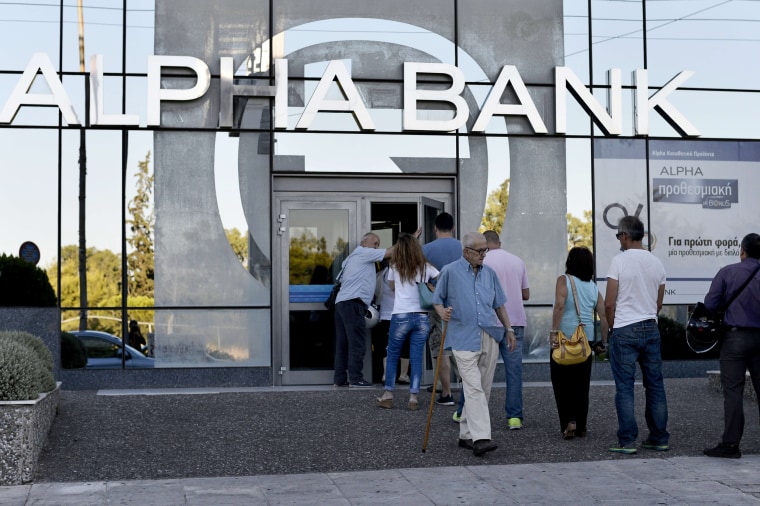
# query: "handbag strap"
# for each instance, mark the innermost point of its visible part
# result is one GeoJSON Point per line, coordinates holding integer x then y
{"type": "Point", "coordinates": [575, 298]}
{"type": "Point", "coordinates": [746, 283]}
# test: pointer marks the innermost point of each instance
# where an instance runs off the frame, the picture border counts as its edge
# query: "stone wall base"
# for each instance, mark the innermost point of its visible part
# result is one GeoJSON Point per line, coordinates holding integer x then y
{"type": "Point", "coordinates": [24, 426]}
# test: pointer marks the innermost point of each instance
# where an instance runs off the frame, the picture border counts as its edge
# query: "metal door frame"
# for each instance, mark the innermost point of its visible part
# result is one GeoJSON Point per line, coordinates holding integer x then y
{"type": "Point", "coordinates": [328, 192]}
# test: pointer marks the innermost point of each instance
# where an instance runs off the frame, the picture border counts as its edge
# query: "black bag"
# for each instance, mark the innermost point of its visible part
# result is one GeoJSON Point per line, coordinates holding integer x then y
{"type": "Point", "coordinates": [705, 328]}
{"type": "Point", "coordinates": [330, 302]}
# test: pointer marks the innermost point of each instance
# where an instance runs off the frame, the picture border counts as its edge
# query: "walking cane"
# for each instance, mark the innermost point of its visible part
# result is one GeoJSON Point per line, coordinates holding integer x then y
{"type": "Point", "coordinates": [435, 383]}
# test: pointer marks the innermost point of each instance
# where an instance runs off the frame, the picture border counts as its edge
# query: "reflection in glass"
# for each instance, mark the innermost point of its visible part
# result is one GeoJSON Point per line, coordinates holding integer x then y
{"type": "Point", "coordinates": [318, 246]}
{"type": "Point", "coordinates": [212, 338]}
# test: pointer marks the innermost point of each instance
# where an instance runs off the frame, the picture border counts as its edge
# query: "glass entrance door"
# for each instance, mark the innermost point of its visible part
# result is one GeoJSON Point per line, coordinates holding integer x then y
{"type": "Point", "coordinates": [318, 221]}
{"type": "Point", "coordinates": [314, 241]}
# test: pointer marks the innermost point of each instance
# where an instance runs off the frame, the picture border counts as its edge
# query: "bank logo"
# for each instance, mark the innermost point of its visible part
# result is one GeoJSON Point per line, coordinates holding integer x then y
{"type": "Point", "coordinates": [335, 141]}
{"type": "Point", "coordinates": [710, 193]}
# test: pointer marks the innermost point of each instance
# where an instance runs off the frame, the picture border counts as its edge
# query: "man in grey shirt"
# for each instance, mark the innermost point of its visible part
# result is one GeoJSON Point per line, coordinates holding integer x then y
{"type": "Point", "coordinates": [357, 287]}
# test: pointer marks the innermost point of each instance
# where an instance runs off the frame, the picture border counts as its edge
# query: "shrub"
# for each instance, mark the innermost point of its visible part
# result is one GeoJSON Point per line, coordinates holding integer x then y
{"type": "Point", "coordinates": [73, 355]}
{"type": "Point", "coordinates": [23, 375]}
{"type": "Point", "coordinates": [24, 284]}
{"type": "Point", "coordinates": [35, 343]}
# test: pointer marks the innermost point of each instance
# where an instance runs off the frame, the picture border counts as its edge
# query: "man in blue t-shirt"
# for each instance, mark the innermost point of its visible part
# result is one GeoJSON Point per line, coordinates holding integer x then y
{"type": "Point", "coordinates": [444, 250]}
{"type": "Point", "coordinates": [357, 287]}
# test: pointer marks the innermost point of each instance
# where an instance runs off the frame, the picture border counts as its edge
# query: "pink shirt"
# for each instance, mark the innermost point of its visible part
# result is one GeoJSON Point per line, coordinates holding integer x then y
{"type": "Point", "coordinates": [513, 278]}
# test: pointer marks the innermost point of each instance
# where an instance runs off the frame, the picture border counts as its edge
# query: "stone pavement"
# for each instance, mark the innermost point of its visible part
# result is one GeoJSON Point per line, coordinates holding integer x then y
{"type": "Point", "coordinates": [642, 480]}
{"type": "Point", "coordinates": [333, 446]}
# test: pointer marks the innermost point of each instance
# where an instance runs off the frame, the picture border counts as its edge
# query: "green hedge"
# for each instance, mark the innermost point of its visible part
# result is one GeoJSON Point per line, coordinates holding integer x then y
{"type": "Point", "coordinates": [25, 369]}
{"type": "Point", "coordinates": [24, 284]}
{"type": "Point", "coordinates": [73, 355]}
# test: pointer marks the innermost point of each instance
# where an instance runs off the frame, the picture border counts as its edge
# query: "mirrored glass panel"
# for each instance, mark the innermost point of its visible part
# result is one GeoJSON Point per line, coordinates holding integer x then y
{"type": "Point", "coordinates": [36, 25]}
{"type": "Point", "coordinates": [206, 338]}
{"type": "Point", "coordinates": [716, 41]}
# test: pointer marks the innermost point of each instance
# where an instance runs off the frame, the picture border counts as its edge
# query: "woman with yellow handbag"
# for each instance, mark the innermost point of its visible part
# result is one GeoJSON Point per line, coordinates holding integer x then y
{"type": "Point", "coordinates": [576, 298]}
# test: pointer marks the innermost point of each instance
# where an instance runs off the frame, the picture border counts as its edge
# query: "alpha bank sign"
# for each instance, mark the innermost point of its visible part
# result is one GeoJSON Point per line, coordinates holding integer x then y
{"type": "Point", "coordinates": [608, 119]}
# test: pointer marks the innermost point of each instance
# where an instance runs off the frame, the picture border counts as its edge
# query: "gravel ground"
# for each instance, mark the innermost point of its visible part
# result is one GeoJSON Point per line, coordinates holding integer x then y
{"type": "Point", "coordinates": [97, 437]}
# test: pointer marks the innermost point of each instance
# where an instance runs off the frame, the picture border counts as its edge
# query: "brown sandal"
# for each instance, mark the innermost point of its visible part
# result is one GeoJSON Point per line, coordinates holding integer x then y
{"type": "Point", "coordinates": [384, 403]}
{"type": "Point", "coordinates": [569, 431]}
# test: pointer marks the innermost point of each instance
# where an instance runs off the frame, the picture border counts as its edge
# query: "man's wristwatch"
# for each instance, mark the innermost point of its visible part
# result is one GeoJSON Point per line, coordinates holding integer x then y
{"type": "Point", "coordinates": [510, 329]}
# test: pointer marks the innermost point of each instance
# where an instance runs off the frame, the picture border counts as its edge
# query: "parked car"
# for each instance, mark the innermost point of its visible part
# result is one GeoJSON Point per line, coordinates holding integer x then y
{"type": "Point", "coordinates": [104, 351]}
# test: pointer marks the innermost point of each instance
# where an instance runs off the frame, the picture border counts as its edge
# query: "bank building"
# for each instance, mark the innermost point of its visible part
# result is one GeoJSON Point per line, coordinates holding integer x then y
{"type": "Point", "coordinates": [256, 141]}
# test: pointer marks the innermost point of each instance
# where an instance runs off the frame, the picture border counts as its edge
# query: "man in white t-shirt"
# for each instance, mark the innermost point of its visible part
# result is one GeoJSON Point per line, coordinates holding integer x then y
{"type": "Point", "coordinates": [635, 289]}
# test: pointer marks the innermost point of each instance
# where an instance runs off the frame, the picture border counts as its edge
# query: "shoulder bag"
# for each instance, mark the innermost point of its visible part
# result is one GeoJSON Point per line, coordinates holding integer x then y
{"type": "Point", "coordinates": [330, 302]}
{"type": "Point", "coordinates": [426, 294]}
{"type": "Point", "coordinates": [705, 328]}
{"type": "Point", "coordinates": [575, 349]}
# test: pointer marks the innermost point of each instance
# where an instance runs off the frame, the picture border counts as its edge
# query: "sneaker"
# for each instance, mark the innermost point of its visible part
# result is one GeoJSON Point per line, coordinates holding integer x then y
{"type": "Point", "coordinates": [457, 417]}
{"type": "Point", "coordinates": [651, 445]}
{"type": "Point", "coordinates": [361, 384]}
{"type": "Point", "coordinates": [723, 450]}
{"type": "Point", "coordinates": [514, 424]}
{"type": "Point", "coordinates": [625, 450]}
{"type": "Point", "coordinates": [403, 379]}
{"type": "Point", "coordinates": [437, 390]}
{"type": "Point", "coordinates": [447, 400]}
{"type": "Point", "coordinates": [344, 384]}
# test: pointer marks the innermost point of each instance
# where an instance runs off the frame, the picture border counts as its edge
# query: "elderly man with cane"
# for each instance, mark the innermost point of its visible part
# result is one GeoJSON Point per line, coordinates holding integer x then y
{"type": "Point", "coordinates": [465, 289]}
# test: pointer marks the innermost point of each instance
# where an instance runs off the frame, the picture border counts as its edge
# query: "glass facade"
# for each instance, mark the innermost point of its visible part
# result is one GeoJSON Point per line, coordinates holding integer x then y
{"type": "Point", "coordinates": [219, 155]}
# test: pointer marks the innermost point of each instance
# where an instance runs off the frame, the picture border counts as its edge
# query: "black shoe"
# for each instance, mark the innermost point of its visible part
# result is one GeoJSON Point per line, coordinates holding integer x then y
{"type": "Point", "coordinates": [723, 450]}
{"type": "Point", "coordinates": [343, 384]}
{"type": "Point", "coordinates": [445, 401]}
{"type": "Point", "coordinates": [465, 443]}
{"type": "Point", "coordinates": [362, 383]}
{"type": "Point", "coordinates": [482, 446]}
{"type": "Point", "coordinates": [430, 389]}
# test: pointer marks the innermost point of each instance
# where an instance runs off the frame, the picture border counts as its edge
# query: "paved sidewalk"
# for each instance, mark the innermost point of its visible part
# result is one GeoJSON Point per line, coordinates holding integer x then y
{"type": "Point", "coordinates": [333, 446]}
{"type": "Point", "coordinates": [680, 480]}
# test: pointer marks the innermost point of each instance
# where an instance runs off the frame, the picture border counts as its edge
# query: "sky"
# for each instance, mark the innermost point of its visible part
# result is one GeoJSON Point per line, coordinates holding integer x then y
{"type": "Point", "coordinates": [716, 39]}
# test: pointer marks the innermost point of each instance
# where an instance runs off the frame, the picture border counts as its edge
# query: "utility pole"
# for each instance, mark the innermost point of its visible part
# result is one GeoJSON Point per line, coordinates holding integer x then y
{"type": "Point", "coordinates": [82, 189]}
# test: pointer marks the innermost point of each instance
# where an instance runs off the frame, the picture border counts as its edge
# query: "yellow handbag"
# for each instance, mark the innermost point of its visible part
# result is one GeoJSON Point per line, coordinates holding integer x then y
{"type": "Point", "coordinates": [575, 349]}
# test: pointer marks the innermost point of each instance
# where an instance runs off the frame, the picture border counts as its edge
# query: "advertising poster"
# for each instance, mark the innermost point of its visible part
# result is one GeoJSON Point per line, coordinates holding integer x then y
{"type": "Point", "coordinates": [697, 199]}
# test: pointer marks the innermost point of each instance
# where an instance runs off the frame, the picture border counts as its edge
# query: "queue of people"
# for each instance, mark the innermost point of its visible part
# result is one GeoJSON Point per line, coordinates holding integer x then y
{"type": "Point", "coordinates": [478, 299]}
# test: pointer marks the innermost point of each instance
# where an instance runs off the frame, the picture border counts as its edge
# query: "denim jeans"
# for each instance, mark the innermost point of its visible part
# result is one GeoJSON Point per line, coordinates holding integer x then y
{"type": "Point", "coordinates": [513, 405]}
{"type": "Point", "coordinates": [739, 352]}
{"type": "Point", "coordinates": [412, 326]}
{"type": "Point", "coordinates": [639, 342]}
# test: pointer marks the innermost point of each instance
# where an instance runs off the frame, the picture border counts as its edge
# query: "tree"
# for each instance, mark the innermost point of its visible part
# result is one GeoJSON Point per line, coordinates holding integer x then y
{"type": "Point", "coordinates": [496, 208]}
{"type": "Point", "coordinates": [103, 286]}
{"type": "Point", "coordinates": [239, 244]}
{"type": "Point", "coordinates": [580, 232]}
{"type": "Point", "coordinates": [140, 260]}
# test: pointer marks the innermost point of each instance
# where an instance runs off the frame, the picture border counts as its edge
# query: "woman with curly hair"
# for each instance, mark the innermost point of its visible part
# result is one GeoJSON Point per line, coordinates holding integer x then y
{"type": "Point", "coordinates": [408, 321]}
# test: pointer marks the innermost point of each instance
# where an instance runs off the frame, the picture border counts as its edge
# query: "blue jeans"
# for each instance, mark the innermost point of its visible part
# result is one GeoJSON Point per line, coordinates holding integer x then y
{"type": "Point", "coordinates": [639, 342]}
{"type": "Point", "coordinates": [412, 326]}
{"type": "Point", "coordinates": [513, 370]}
{"type": "Point", "coordinates": [513, 405]}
